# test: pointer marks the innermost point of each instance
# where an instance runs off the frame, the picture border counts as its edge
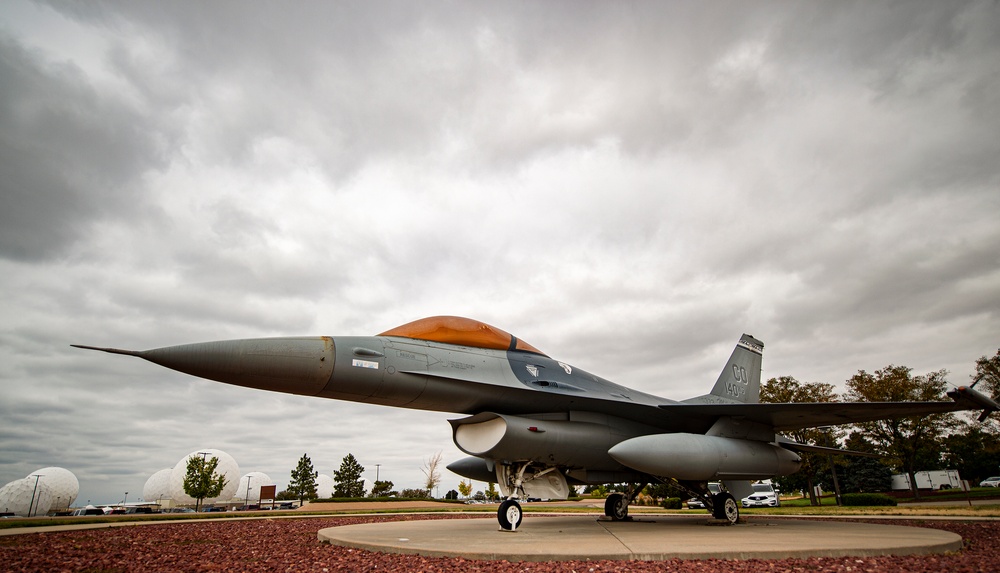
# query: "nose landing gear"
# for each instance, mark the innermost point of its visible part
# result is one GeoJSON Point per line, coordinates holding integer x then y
{"type": "Point", "coordinates": [510, 515]}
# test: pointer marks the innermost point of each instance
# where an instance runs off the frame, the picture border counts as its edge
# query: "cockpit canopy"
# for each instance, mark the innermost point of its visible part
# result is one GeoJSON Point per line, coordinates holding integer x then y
{"type": "Point", "coordinates": [461, 331]}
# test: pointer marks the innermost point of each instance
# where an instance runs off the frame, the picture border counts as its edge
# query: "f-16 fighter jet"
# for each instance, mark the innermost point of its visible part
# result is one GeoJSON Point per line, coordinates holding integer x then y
{"type": "Point", "coordinates": [535, 425]}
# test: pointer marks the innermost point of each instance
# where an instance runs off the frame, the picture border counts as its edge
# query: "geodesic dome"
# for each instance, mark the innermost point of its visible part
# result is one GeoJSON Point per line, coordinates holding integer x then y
{"type": "Point", "coordinates": [62, 484]}
{"type": "Point", "coordinates": [157, 486]}
{"type": "Point", "coordinates": [324, 486]}
{"type": "Point", "coordinates": [227, 467]}
{"type": "Point", "coordinates": [253, 480]}
{"type": "Point", "coordinates": [26, 494]}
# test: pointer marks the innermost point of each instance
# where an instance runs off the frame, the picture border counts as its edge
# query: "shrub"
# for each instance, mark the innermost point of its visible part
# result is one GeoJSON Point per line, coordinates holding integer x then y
{"type": "Point", "coordinates": [671, 503]}
{"type": "Point", "coordinates": [856, 499]}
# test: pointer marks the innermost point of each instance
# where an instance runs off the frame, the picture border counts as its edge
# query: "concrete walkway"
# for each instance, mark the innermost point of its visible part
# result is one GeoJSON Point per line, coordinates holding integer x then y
{"type": "Point", "coordinates": [587, 537]}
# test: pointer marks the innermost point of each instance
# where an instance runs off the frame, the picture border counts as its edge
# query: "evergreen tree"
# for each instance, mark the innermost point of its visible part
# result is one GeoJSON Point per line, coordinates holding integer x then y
{"type": "Point", "coordinates": [347, 480]}
{"type": "Point", "coordinates": [864, 475]}
{"type": "Point", "coordinates": [303, 483]}
{"type": "Point", "coordinates": [974, 451]}
{"type": "Point", "coordinates": [201, 481]}
{"type": "Point", "coordinates": [381, 488]}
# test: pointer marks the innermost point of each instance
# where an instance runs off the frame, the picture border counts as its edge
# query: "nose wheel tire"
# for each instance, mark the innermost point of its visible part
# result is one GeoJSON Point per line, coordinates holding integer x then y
{"type": "Point", "coordinates": [616, 507]}
{"type": "Point", "coordinates": [724, 506]}
{"type": "Point", "coordinates": [510, 515]}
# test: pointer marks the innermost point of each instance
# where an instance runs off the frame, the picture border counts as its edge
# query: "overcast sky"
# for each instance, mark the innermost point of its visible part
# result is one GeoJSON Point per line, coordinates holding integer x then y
{"type": "Point", "coordinates": [626, 186]}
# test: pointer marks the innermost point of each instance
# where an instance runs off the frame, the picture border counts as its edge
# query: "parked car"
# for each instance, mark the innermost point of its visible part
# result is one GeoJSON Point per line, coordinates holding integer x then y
{"type": "Point", "coordinates": [990, 482]}
{"type": "Point", "coordinates": [763, 496]}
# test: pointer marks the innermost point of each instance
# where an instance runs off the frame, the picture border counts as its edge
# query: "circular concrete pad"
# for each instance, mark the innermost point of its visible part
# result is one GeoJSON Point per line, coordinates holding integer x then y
{"type": "Point", "coordinates": [644, 538]}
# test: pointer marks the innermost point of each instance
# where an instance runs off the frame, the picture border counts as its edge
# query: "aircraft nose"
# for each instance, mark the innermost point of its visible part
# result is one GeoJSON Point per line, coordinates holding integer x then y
{"type": "Point", "coordinates": [295, 365]}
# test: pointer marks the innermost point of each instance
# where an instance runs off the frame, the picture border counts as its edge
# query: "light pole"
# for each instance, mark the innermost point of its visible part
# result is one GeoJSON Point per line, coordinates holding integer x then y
{"type": "Point", "coordinates": [124, 499]}
{"type": "Point", "coordinates": [32, 503]}
{"type": "Point", "coordinates": [377, 466]}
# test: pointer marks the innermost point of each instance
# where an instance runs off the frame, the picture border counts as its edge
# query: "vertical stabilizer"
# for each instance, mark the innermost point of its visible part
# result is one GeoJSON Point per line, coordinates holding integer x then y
{"type": "Point", "coordinates": [739, 381]}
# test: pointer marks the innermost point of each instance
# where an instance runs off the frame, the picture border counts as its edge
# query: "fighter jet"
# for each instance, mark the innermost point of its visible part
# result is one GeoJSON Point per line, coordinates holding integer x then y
{"type": "Point", "coordinates": [535, 425]}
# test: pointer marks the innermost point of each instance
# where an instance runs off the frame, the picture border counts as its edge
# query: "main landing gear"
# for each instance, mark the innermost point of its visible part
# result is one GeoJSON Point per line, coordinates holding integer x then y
{"type": "Point", "coordinates": [721, 503]}
{"type": "Point", "coordinates": [724, 506]}
{"type": "Point", "coordinates": [616, 505]}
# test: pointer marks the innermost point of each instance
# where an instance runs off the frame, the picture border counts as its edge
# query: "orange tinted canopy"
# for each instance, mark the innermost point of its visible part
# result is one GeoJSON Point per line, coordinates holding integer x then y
{"type": "Point", "coordinates": [463, 331]}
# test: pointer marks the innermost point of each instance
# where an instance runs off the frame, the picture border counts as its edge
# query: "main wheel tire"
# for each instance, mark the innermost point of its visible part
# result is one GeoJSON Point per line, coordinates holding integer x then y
{"type": "Point", "coordinates": [616, 507]}
{"type": "Point", "coordinates": [724, 506]}
{"type": "Point", "coordinates": [510, 515]}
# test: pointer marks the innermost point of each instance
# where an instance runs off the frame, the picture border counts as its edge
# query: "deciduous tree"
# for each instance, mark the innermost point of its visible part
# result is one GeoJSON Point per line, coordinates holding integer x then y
{"type": "Point", "coordinates": [786, 389]}
{"type": "Point", "coordinates": [988, 375]}
{"type": "Point", "coordinates": [465, 488]}
{"type": "Point", "coordinates": [201, 481]}
{"type": "Point", "coordinates": [910, 442]}
{"type": "Point", "coordinates": [432, 472]}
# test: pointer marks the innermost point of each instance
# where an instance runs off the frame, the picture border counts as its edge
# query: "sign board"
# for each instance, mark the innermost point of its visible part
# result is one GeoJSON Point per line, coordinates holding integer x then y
{"type": "Point", "coordinates": [267, 492]}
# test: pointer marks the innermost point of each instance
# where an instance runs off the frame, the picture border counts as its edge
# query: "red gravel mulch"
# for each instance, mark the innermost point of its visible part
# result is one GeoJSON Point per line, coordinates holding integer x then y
{"type": "Point", "coordinates": [291, 545]}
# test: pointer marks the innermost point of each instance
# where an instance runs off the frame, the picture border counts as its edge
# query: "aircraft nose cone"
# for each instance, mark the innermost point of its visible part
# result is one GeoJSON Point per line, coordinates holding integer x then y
{"type": "Point", "coordinates": [301, 365]}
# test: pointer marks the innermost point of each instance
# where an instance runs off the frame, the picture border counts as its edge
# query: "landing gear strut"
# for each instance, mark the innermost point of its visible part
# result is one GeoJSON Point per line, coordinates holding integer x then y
{"type": "Point", "coordinates": [509, 514]}
{"type": "Point", "coordinates": [722, 505]}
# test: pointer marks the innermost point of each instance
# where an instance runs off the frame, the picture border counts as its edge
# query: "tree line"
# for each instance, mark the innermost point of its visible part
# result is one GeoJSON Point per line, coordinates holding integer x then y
{"type": "Point", "coordinates": [905, 445]}
{"type": "Point", "coordinates": [349, 483]}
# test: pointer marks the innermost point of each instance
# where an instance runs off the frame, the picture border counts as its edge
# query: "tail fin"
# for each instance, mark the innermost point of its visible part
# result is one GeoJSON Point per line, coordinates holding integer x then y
{"type": "Point", "coordinates": [739, 382]}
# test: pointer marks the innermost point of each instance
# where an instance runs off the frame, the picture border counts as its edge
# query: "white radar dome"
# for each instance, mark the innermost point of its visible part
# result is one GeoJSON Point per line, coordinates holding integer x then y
{"type": "Point", "coordinates": [252, 482]}
{"type": "Point", "coordinates": [62, 484]}
{"type": "Point", "coordinates": [157, 486]}
{"type": "Point", "coordinates": [324, 486]}
{"type": "Point", "coordinates": [227, 467]}
{"type": "Point", "coordinates": [26, 497]}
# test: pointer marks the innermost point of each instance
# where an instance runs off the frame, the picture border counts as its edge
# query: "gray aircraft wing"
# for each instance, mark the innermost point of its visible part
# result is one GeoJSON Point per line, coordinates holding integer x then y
{"type": "Point", "coordinates": [795, 416]}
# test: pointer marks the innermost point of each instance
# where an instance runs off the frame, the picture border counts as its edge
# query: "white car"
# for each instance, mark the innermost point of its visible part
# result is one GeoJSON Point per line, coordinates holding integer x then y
{"type": "Point", "coordinates": [990, 482]}
{"type": "Point", "coordinates": [763, 496]}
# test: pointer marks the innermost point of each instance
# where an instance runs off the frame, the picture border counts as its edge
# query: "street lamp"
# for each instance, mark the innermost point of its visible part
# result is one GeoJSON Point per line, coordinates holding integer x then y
{"type": "Point", "coordinates": [32, 503]}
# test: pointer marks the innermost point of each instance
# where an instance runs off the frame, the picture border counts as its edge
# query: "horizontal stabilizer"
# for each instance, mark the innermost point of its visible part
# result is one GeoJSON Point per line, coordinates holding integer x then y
{"type": "Point", "coordinates": [800, 447]}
